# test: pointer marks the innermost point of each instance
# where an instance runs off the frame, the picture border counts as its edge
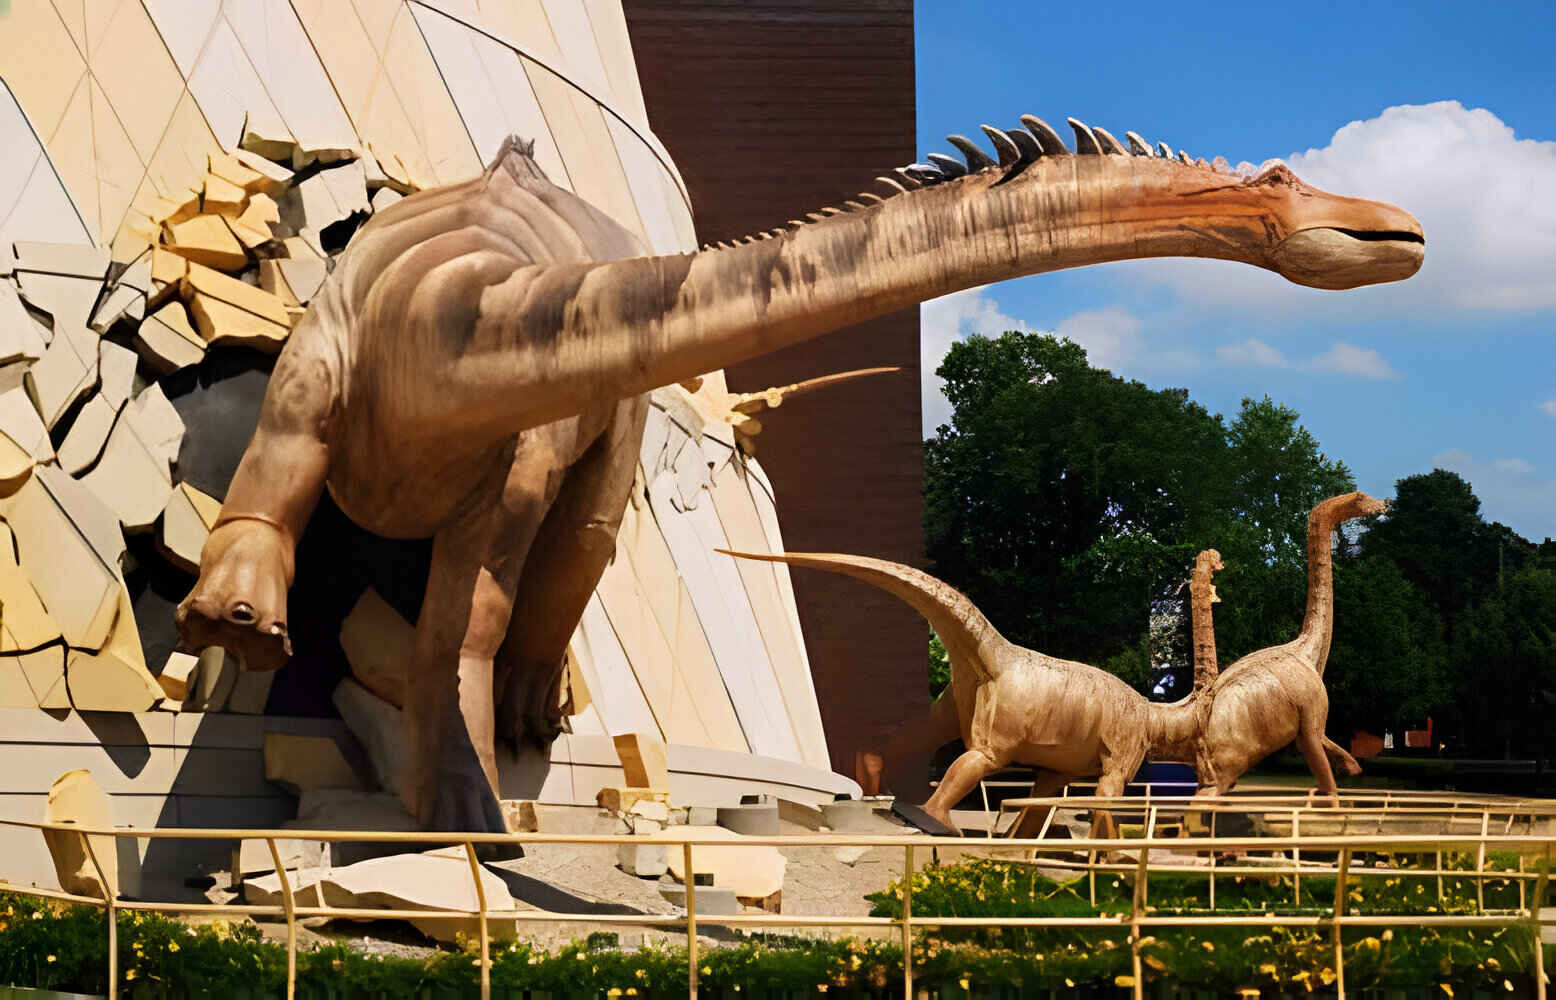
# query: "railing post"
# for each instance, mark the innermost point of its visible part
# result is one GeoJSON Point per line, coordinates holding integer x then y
{"type": "Point", "coordinates": [1296, 859]}
{"type": "Point", "coordinates": [1213, 814]}
{"type": "Point", "coordinates": [1480, 863]}
{"type": "Point", "coordinates": [1339, 911]}
{"type": "Point", "coordinates": [907, 922]}
{"type": "Point", "coordinates": [111, 899]}
{"type": "Point", "coordinates": [1137, 904]}
{"type": "Point", "coordinates": [1541, 888]}
{"type": "Point", "coordinates": [291, 919]}
{"type": "Point", "coordinates": [486, 939]}
{"type": "Point", "coordinates": [691, 919]}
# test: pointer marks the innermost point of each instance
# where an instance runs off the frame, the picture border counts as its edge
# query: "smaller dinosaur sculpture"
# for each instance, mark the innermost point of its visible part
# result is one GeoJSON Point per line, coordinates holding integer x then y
{"type": "Point", "coordinates": [1272, 696]}
{"type": "Point", "coordinates": [1009, 705]}
{"type": "Point", "coordinates": [1177, 728]}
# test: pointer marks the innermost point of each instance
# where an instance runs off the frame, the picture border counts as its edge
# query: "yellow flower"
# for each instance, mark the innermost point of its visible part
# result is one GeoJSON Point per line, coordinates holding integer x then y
{"type": "Point", "coordinates": [1070, 983]}
{"type": "Point", "coordinates": [1154, 963]}
{"type": "Point", "coordinates": [1446, 988]}
{"type": "Point", "coordinates": [1208, 946]}
{"type": "Point", "coordinates": [130, 974]}
{"type": "Point", "coordinates": [1507, 985]}
{"type": "Point", "coordinates": [51, 959]}
{"type": "Point", "coordinates": [964, 983]}
{"type": "Point", "coordinates": [1124, 981]}
{"type": "Point", "coordinates": [1388, 935]}
{"type": "Point", "coordinates": [706, 971]}
{"type": "Point", "coordinates": [172, 946]}
{"type": "Point", "coordinates": [1327, 975]}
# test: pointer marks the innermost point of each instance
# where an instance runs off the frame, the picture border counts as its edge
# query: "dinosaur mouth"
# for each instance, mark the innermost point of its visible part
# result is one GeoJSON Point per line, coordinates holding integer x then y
{"type": "Point", "coordinates": [1334, 257]}
{"type": "Point", "coordinates": [1382, 235]}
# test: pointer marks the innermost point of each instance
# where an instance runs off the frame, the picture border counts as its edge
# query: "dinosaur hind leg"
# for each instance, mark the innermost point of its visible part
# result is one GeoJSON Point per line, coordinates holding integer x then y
{"type": "Point", "coordinates": [1310, 740]}
{"type": "Point", "coordinates": [960, 778]}
{"type": "Point", "coordinates": [1340, 756]}
{"type": "Point", "coordinates": [574, 545]}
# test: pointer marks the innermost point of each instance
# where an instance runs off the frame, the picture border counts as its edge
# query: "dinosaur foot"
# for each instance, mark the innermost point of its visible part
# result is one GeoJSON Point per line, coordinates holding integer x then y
{"type": "Point", "coordinates": [239, 601]}
{"type": "Point", "coordinates": [460, 802]}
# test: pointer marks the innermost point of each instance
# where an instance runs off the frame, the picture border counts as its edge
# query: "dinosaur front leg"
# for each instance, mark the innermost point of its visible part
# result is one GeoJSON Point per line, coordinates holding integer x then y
{"type": "Point", "coordinates": [239, 601]}
{"type": "Point", "coordinates": [571, 550]}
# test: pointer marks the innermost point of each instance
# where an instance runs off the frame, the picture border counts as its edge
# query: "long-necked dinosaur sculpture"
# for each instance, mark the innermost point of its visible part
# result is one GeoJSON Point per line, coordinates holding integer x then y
{"type": "Point", "coordinates": [1272, 696]}
{"type": "Point", "coordinates": [473, 371]}
{"type": "Point", "coordinates": [1012, 705]}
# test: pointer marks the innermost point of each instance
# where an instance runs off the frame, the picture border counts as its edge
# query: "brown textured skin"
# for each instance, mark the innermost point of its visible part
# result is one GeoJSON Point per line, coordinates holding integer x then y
{"type": "Point", "coordinates": [1276, 695]}
{"type": "Point", "coordinates": [475, 363]}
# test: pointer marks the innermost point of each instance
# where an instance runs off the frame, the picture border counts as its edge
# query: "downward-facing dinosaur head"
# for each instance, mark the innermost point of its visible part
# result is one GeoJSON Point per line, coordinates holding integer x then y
{"type": "Point", "coordinates": [1133, 200]}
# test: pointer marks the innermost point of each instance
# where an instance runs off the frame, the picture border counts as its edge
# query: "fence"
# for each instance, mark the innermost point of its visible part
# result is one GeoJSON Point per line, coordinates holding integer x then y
{"type": "Point", "coordinates": [1172, 854]}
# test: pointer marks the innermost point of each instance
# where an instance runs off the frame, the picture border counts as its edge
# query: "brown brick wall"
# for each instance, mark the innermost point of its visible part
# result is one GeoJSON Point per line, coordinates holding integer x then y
{"type": "Point", "coordinates": [772, 110]}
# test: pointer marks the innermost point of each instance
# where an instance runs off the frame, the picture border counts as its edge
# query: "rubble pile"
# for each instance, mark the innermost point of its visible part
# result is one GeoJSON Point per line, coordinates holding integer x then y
{"type": "Point", "coordinates": [89, 441]}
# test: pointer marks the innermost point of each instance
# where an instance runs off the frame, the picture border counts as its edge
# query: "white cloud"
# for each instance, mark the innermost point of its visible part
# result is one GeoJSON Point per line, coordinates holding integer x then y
{"type": "Point", "coordinates": [1111, 335]}
{"type": "Point", "coordinates": [1511, 490]}
{"type": "Point", "coordinates": [943, 322]}
{"type": "Point", "coordinates": [1251, 353]}
{"type": "Point", "coordinates": [1480, 193]}
{"type": "Point", "coordinates": [1348, 359]}
{"type": "Point", "coordinates": [1549, 407]}
{"type": "Point", "coordinates": [1341, 359]}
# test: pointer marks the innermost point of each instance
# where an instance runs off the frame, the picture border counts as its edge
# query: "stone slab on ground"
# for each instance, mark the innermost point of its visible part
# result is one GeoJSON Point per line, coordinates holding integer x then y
{"type": "Point", "coordinates": [752, 871]}
{"type": "Point", "coordinates": [752, 820]}
{"type": "Point", "coordinates": [712, 900]}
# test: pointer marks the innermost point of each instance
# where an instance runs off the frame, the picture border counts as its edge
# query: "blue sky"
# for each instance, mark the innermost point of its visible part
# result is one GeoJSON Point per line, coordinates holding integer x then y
{"type": "Point", "coordinates": [1443, 109]}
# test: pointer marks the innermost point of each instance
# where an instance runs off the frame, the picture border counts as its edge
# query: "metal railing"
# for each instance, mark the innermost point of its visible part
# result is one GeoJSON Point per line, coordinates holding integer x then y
{"type": "Point", "coordinates": [1153, 854]}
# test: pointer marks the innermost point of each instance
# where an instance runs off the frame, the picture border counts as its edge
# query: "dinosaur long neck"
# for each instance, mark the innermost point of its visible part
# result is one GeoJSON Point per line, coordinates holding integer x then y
{"type": "Point", "coordinates": [1318, 621]}
{"type": "Point", "coordinates": [631, 325]}
{"type": "Point", "coordinates": [1202, 624]}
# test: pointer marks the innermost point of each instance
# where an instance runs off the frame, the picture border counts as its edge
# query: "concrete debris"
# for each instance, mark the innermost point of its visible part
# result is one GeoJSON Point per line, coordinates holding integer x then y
{"type": "Point", "coordinates": [376, 640]}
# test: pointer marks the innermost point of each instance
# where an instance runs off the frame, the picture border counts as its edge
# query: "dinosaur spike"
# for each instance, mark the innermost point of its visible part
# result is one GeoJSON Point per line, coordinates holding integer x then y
{"type": "Point", "coordinates": [831, 210]}
{"type": "Point", "coordinates": [1110, 145]}
{"type": "Point", "coordinates": [852, 206]}
{"type": "Point", "coordinates": [871, 199]}
{"type": "Point", "coordinates": [948, 165]}
{"type": "Point", "coordinates": [815, 216]}
{"type": "Point", "coordinates": [796, 223]}
{"type": "Point", "coordinates": [1137, 145]}
{"type": "Point", "coordinates": [1028, 146]}
{"type": "Point", "coordinates": [977, 159]}
{"type": "Point", "coordinates": [893, 183]}
{"type": "Point", "coordinates": [926, 173]}
{"type": "Point", "coordinates": [1086, 143]}
{"type": "Point", "coordinates": [1202, 162]}
{"type": "Point", "coordinates": [1046, 137]}
{"type": "Point", "coordinates": [1185, 158]}
{"type": "Point", "coordinates": [1164, 151]}
{"type": "Point", "coordinates": [1220, 165]}
{"type": "Point", "coordinates": [908, 180]}
{"type": "Point", "coordinates": [1008, 153]}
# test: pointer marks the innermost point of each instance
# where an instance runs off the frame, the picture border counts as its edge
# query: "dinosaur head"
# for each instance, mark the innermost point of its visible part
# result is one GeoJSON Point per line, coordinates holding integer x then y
{"type": "Point", "coordinates": [1207, 563]}
{"type": "Point", "coordinates": [1328, 241]}
{"type": "Point", "coordinates": [1134, 200]}
{"type": "Point", "coordinates": [1346, 507]}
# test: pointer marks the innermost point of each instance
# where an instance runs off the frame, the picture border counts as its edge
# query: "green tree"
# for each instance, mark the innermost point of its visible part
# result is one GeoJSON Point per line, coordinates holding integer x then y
{"type": "Point", "coordinates": [1059, 495]}
{"type": "Point", "coordinates": [1505, 654]}
{"type": "Point", "coordinates": [1388, 664]}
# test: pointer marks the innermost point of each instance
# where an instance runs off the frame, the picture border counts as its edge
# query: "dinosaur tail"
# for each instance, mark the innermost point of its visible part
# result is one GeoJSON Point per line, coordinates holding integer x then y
{"type": "Point", "coordinates": [969, 637]}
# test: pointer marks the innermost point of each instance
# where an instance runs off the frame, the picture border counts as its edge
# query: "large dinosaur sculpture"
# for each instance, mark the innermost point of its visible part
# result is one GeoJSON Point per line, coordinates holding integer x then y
{"type": "Point", "coordinates": [472, 371]}
{"type": "Point", "coordinates": [1272, 696]}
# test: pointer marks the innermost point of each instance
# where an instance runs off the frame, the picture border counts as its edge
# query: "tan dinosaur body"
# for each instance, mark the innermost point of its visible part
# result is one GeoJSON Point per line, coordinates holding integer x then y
{"type": "Point", "coordinates": [474, 367]}
{"type": "Point", "coordinates": [1271, 697]}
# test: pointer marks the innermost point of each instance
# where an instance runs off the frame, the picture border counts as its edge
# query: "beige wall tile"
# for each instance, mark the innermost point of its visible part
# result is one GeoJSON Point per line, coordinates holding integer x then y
{"type": "Point", "coordinates": [185, 27]}
{"type": "Point", "coordinates": [613, 686]}
{"type": "Point", "coordinates": [521, 109]}
{"type": "Point", "coordinates": [70, 148]}
{"type": "Point", "coordinates": [119, 166]}
{"type": "Point", "coordinates": [415, 79]}
{"type": "Point", "coordinates": [574, 35]}
{"type": "Point", "coordinates": [179, 164]}
{"type": "Point", "coordinates": [387, 129]}
{"type": "Point", "coordinates": [586, 147]}
{"type": "Point", "coordinates": [98, 15]}
{"type": "Point", "coordinates": [140, 79]}
{"type": "Point", "coordinates": [39, 61]}
{"type": "Point", "coordinates": [73, 14]}
{"type": "Point", "coordinates": [286, 63]}
{"type": "Point", "coordinates": [615, 45]}
{"type": "Point", "coordinates": [524, 22]}
{"type": "Point", "coordinates": [378, 17]}
{"type": "Point", "coordinates": [780, 633]}
{"type": "Point", "coordinates": [228, 88]}
{"type": "Point", "coordinates": [348, 55]}
{"type": "Point", "coordinates": [645, 179]}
